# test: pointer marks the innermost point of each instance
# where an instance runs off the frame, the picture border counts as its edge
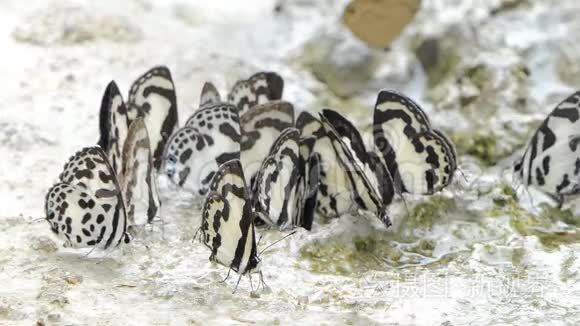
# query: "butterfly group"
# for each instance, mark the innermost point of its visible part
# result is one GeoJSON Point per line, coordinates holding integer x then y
{"type": "Point", "coordinates": [107, 188]}
{"type": "Point", "coordinates": [260, 163]}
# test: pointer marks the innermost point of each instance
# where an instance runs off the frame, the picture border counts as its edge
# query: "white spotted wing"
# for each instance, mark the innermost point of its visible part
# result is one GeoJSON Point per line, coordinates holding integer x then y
{"type": "Point", "coordinates": [551, 161]}
{"type": "Point", "coordinates": [260, 88]}
{"type": "Point", "coordinates": [210, 138]}
{"type": "Point", "coordinates": [86, 207]}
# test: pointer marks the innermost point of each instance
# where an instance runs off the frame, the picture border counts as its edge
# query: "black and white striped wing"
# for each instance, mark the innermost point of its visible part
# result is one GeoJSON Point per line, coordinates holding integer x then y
{"type": "Point", "coordinates": [152, 95]}
{"type": "Point", "coordinates": [551, 161]}
{"type": "Point", "coordinates": [86, 208]}
{"type": "Point", "coordinates": [260, 88]}
{"type": "Point", "coordinates": [334, 192]}
{"type": "Point", "coordinates": [139, 183]}
{"type": "Point", "coordinates": [277, 196]}
{"type": "Point", "coordinates": [308, 182]}
{"type": "Point", "coordinates": [370, 163]}
{"type": "Point", "coordinates": [210, 138]}
{"type": "Point", "coordinates": [114, 121]}
{"type": "Point", "coordinates": [260, 128]}
{"type": "Point", "coordinates": [364, 192]}
{"type": "Point", "coordinates": [420, 159]}
{"type": "Point", "coordinates": [209, 95]}
{"type": "Point", "coordinates": [227, 220]}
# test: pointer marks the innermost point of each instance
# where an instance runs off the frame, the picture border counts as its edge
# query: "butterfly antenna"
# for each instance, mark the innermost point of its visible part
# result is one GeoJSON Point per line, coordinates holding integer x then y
{"type": "Point", "coordinates": [36, 220]}
{"type": "Point", "coordinates": [259, 239]}
{"type": "Point", "coordinates": [90, 252]}
{"type": "Point", "coordinates": [275, 242]}
{"type": "Point", "coordinates": [463, 174]}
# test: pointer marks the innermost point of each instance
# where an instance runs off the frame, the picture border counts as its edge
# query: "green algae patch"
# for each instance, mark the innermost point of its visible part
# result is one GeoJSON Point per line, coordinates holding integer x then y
{"type": "Point", "coordinates": [355, 255]}
{"type": "Point", "coordinates": [484, 147]}
{"type": "Point", "coordinates": [377, 251]}
{"type": "Point", "coordinates": [552, 226]}
{"type": "Point", "coordinates": [429, 212]}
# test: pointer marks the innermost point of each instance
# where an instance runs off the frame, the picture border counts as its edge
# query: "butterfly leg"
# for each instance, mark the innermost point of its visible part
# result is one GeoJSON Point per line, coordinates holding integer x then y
{"type": "Point", "coordinates": [227, 276]}
{"type": "Point", "coordinates": [90, 252]}
{"type": "Point", "coordinates": [238, 283]}
{"type": "Point", "coordinates": [262, 282]}
{"type": "Point", "coordinates": [251, 283]}
{"type": "Point", "coordinates": [559, 201]}
{"type": "Point", "coordinates": [195, 236]}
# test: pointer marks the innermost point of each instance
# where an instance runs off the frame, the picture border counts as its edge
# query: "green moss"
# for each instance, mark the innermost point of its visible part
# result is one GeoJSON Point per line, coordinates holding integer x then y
{"type": "Point", "coordinates": [359, 255]}
{"type": "Point", "coordinates": [479, 75]}
{"type": "Point", "coordinates": [483, 147]}
{"type": "Point", "coordinates": [547, 225]}
{"type": "Point", "coordinates": [427, 213]}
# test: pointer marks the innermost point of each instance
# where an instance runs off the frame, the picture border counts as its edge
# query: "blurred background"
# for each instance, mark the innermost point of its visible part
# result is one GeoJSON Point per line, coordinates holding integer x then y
{"type": "Point", "coordinates": [486, 72]}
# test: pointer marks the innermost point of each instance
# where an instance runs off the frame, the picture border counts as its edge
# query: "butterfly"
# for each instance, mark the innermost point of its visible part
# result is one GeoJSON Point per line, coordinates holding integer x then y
{"type": "Point", "coordinates": [371, 186]}
{"type": "Point", "coordinates": [286, 184]}
{"type": "Point", "coordinates": [551, 161]}
{"type": "Point", "coordinates": [86, 207]}
{"type": "Point", "coordinates": [260, 88]}
{"type": "Point", "coordinates": [260, 127]}
{"type": "Point", "coordinates": [379, 22]}
{"type": "Point", "coordinates": [420, 159]}
{"type": "Point", "coordinates": [210, 137]}
{"type": "Point", "coordinates": [227, 226]}
{"type": "Point", "coordinates": [333, 192]}
{"type": "Point", "coordinates": [152, 96]}
{"type": "Point", "coordinates": [129, 152]}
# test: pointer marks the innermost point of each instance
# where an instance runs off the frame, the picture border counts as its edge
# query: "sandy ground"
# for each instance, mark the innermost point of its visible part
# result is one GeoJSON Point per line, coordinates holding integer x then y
{"type": "Point", "coordinates": [470, 264]}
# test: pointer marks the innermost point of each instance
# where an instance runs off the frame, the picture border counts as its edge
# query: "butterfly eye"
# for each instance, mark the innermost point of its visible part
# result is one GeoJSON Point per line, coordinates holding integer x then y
{"type": "Point", "coordinates": [172, 159]}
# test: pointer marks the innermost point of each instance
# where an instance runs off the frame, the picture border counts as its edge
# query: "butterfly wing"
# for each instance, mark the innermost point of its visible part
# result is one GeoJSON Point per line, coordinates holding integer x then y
{"type": "Point", "coordinates": [210, 138]}
{"type": "Point", "coordinates": [334, 191]}
{"type": "Point", "coordinates": [227, 220]}
{"type": "Point", "coordinates": [364, 192]}
{"type": "Point", "coordinates": [75, 216]}
{"type": "Point", "coordinates": [421, 160]}
{"type": "Point", "coordinates": [277, 182]}
{"type": "Point", "coordinates": [209, 95]}
{"type": "Point", "coordinates": [308, 182]}
{"type": "Point", "coordinates": [260, 88]}
{"type": "Point", "coordinates": [260, 128]}
{"type": "Point", "coordinates": [89, 172]}
{"type": "Point", "coordinates": [152, 95]}
{"type": "Point", "coordinates": [114, 122]}
{"type": "Point", "coordinates": [139, 185]}
{"type": "Point", "coordinates": [379, 22]}
{"type": "Point", "coordinates": [551, 161]}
